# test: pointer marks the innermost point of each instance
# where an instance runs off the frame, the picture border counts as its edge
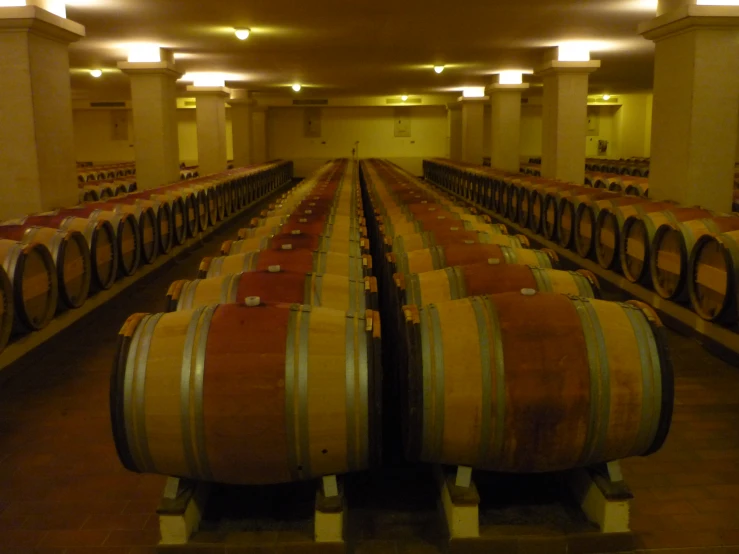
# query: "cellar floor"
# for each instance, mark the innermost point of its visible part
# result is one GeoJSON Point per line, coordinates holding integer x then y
{"type": "Point", "coordinates": [62, 489]}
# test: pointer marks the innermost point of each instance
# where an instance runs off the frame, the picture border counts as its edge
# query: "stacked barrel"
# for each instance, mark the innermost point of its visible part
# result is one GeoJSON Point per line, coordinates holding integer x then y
{"type": "Point", "coordinates": [269, 362]}
{"type": "Point", "coordinates": [686, 254]}
{"type": "Point", "coordinates": [483, 331]}
{"type": "Point", "coordinates": [55, 260]}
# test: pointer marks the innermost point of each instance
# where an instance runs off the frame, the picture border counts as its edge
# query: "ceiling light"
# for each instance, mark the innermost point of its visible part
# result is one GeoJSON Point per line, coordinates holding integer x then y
{"type": "Point", "coordinates": [296, 87]}
{"type": "Point", "coordinates": [57, 7]}
{"type": "Point", "coordinates": [573, 52]}
{"type": "Point", "coordinates": [242, 34]}
{"type": "Point", "coordinates": [510, 78]}
{"type": "Point", "coordinates": [404, 98]}
{"type": "Point", "coordinates": [718, 2]}
{"type": "Point", "coordinates": [606, 97]}
{"type": "Point", "coordinates": [209, 80]}
{"type": "Point", "coordinates": [145, 53]}
{"type": "Point", "coordinates": [438, 68]}
{"type": "Point", "coordinates": [96, 73]}
{"type": "Point", "coordinates": [473, 92]}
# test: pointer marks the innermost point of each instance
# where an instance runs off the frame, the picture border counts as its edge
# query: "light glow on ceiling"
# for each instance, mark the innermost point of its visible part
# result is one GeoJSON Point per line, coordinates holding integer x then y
{"type": "Point", "coordinates": [207, 79]}
{"type": "Point", "coordinates": [296, 87]}
{"type": "Point", "coordinates": [473, 92]}
{"type": "Point", "coordinates": [97, 73]}
{"type": "Point", "coordinates": [439, 69]}
{"type": "Point", "coordinates": [510, 78]}
{"type": "Point", "coordinates": [140, 53]}
{"type": "Point", "coordinates": [606, 97]}
{"type": "Point", "coordinates": [404, 98]}
{"type": "Point", "coordinates": [57, 7]}
{"type": "Point", "coordinates": [718, 2]}
{"type": "Point", "coordinates": [242, 34]}
{"type": "Point", "coordinates": [573, 52]}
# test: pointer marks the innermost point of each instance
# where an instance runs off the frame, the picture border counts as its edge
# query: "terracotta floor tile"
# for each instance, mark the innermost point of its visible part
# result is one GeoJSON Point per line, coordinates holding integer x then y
{"type": "Point", "coordinates": [116, 522]}
{"type": "Point", "coordinates": [20, 538]}
{"type": "Point", "coordinates": [133, 538]}
{"type": "Point", "coordinates": [675, 539]}
{"type": "Point", "coordinates": [49, 522]}
{"type": "Point", "coordinates": [75, 538]}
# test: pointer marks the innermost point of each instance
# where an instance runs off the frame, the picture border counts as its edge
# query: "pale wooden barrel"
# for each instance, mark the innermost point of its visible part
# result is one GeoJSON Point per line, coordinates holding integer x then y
{"type": "Point", "coordinates": [101, 241]}
{"type": "Point", "coordinates": [494, 394]}
{"type": "Point", "coordinates": [276, 285]}
{"type": "Point", "coordinates": [248, 395]}
{"type": "Point", "coordinates": [713, 277]}
{"type": "Point", "coordinates": [454, 283]}
{"type": "Point", "coordinates": [32, 275]}
{"type": "Point", "coordinates": [7, 309]}
{"type": "Point", "coordinates": [298, 240]}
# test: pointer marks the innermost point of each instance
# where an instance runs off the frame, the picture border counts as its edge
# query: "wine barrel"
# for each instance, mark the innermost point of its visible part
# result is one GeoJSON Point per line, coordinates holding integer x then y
{"type": "Point", "coordinates": [567, 210]}
{"type": "Point", "coordinates": [713, 277]}
{"type": "Point", "coordinates": [148, 226]}
{"type": "Point", "coordinates": [297, 240]}
{"type": "Point", "coordinates": [32, 275]}
{"type": "Point", "coordinates": [612, 399]}
{"type": "Point", "coordinates": [163, 224]}
{"type": "Point", "coordinates": [279, 393]}
{"type": "Point", "coordinates": [609, 226]}
{"type": "Point", "coordinates": [636, 186]}
{"type": "Point", "coordinates": [453, 283]}
{"type": "Point", "coordinates": [276, 285]}
{"type": "Point", "coordinates": [453, 235]}
{"type": "Point", "coordinates": [180, 215]}
{"type": "Point", "coordinates": [440, 257]}
{"type": "Point", "coordinates": [313, 225]}
{"type": "Point", "coordinates": [585, 220]}
{"type": "Point", "coordinates": [638, 235]}
{"type": "Point", "coordinates": [671, 249]}
{"type": "Point", "coordinates": [7, 309]}
{"type": "Point", "coordinates": [304, 261]}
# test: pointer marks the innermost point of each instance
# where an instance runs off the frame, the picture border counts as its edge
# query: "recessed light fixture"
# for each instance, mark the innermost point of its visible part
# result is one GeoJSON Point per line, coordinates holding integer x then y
{"type": "Point", "coordinates": [606, 97]}
{"type": "Point", "coordinates": [145, 53]}
{"type": "Point", "coordinates": [573, 52]}
{"type": "Point", "coordinates": [242, 34]}
{"type": "Point", "coordinates": [510, 78]}
{"type": "Point", "coordinates": [404, 98]}
{"type": "Point", "coordinates": [473, 92]}
{"type": "Point", "coordinates": [96, 73]}
{"type": "Point", "coordinates": [296, 87]}
{"type": "Point", "coordinates": [438, 68]}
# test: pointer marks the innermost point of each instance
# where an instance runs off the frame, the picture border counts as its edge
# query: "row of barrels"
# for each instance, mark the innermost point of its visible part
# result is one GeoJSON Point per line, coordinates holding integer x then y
{"type": "Point", "coordinates": [686, 254]}
{"type": "Point", "coordinates": [635, 167]}
{"type": "Point", "coordinates": [102, 190]}
{"type": "Point", "coordinates": [102, 172]}
{"type": "Point", "coordinates": [504, 362]}
{"type": "Point", "coordinates": [55, 260]}
{"type": "Point", "coordinates": [632, 186]}
{"type": "Point", "coordinates": [265, 369]}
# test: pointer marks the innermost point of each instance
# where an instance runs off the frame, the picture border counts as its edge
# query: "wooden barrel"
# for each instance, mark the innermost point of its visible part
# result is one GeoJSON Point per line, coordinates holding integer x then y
{"type": "Point", "coordinates": [179, 219]}
{"type": "Point", "coordinates": [713, 277]}
{"type": "Point", "coordinates": [453, 283]}
{"type": "Point", "coordinates": [313, 225]}
{"type": "Point", "coordinates": [637, 186]}
{"type": "Point", "coordinates": [609, 226]}
{"type": "Point", "coordinates": [550, 224]}
{"type": "Point", "coordinates": [276, 285]}
{"type": "Point", "coordinates": [201, 205]}
{"type": "Point", "coordinates": [638, 234]}
{"type": "Point", "coordinates": [585, 220]}
{"type": "Point", "coordinates": [297, 241]}
{"type": "Point", "coordinates": [453, 235]}
{"type": "Point", "coordinates": [279, 393]}
{"type": "Point", "coordinates": [127, 239]}
{"type": "Point", "coordinates": [7, 309]}
{"type": "Point", "coordinates": [671, 250]}
{"type": "Point", "coordinates": [567, 210]}
{"type": "Point", "coordinates": [148, 227]}
{"type": "Point", "coordinates": [163, 222]}
{"type": "Point", "coordinates": [304, 261]}
{"type": "Point", "coordinates": [440, 257]}
{"type": "Point", "coordinates": [190, 210]}
{"type": "Point", "coordinates": [495, 394]}
{"type": "Point", "coordinates": [32, 275]}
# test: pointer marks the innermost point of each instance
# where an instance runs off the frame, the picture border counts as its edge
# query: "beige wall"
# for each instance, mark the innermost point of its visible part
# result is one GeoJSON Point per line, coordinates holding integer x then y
{"type": "Point", "coordinates": [94, 141]}
{"type": "Point", "coordinates": [373, 127]}
{"type": "Point", "coordinates": [531, 129]}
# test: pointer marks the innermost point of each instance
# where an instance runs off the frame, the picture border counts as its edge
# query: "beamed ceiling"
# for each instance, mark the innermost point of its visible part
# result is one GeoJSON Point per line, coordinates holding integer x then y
{"type": "Point", "coordinates": [342, 47]}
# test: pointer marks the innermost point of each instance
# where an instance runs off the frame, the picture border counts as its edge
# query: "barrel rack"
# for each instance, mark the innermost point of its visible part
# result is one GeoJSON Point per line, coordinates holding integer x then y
{"type": "Point", "coordinates": [720, 340]}
{"type": "Point", "coordinates": [23, 345]}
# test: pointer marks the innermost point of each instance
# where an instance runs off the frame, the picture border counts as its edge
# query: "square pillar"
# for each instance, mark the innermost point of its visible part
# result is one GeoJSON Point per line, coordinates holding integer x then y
{"type": "Point", "coordinates": [473, 110]}
{"type": "Point", "coordinates": [565, 118]}
{"type": "Point", "coordinates": [454, 120]}
{"type": "Point", "coordinates": [37, 157]}
{"type": "Point", "coordinates": [505, 126]}
{"type": "Point", "coordinates": [696, 86]}
{"type": "Point", "coordinates": [210, 113]}
{"type": "Point", "coordinates": [242, 126]}
{"type": "Point", "coordinates": [259, 145]}
{"type": "Point", "coordinates": [154, 102]}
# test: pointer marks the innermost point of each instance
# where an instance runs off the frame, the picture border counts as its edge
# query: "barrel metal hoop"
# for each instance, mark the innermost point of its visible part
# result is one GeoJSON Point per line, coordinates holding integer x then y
{"type": "Point", "coordinates": [438, 355]}
{"type": "Point", "coordinates": [186, 372]}
{"type": "Point", "coordinates": [187, 295]}
{"type": "Point", "coordinates": [584, 287]}
{"type": "Point", "coordinates": [231, 293]}
{"type": "Point", "coordinates": [317, 295]}
{"type": "Point", "coordinates": [251, 259]}
{"type": "Point", "coordinates": [303, 369]}
{"type": "Point", "coordinates": [362, 349]}
{"type": "Point", "coordinates": [509, 255]}
{"type": "Point", "coordinates": [138, 363]}
{"type": "Point", "coordinates": [541, 276]}
{"type": "Point", "coordinates": [651, 380]}
{"type": "Point", "coordinates": [483, 332]}
{"type": "Point", "coordinates": [439, 257]}
{"type": "Point", "coordinates": [500, 388]}
{"type": "Point", "coordinates": [600, 394]}
{"type": "Point", "coordinates": [290, 411]}
{"type": "Point", "coordinates": [350, 376]}
{"type": "Point", "coordinates": [413, 289]}
{"type": "Point", "coordinates": [429, 406]}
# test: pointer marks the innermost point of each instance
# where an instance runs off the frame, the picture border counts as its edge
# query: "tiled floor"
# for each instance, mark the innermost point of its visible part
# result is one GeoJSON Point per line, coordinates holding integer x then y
{"type": "Point", "coordinates": [62, 489]}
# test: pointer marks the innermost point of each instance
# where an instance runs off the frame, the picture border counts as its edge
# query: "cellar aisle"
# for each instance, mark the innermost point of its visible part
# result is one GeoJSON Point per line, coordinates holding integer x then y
{"type": "Point", "coordinates": [62, 489]}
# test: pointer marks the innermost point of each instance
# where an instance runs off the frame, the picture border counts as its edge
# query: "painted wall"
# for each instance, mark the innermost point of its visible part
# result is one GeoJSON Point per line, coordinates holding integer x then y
{"type": "Point", "coordinates": [94, 141]}
{"type": "Point", "coordinates": [633, 126]}
{"type": "Point", "coordinates": [373, 127]}
{"type": "Point", "coordinates": [531, 130]}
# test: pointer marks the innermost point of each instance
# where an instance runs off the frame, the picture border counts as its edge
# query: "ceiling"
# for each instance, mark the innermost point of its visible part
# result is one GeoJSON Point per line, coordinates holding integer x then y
{"type": "Point", "coordinates": [342, 47]}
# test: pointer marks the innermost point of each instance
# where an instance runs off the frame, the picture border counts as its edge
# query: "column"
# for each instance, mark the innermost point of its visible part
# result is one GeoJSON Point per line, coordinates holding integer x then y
{"type": "Point", "coordinates": [473, 110]}
{"type": "Point", "coordinates": [696, 86]}
{"type": "Point", "coordinates": [210, 113]}
{"type": "Point", "coordinates": [154, 102]}
{"type": "Point", "coordinates": [37, 156]}
{"type": "Point", "coordinates": [259, 144]}
{"type": "Point", "coordinates": [241, 125]}
{"type": "Point", "coordinates": [505, 126]}
{"type": "Point", "coordinates": [565, 116]}
{"type": "Point", "coordinates": [454, 120]}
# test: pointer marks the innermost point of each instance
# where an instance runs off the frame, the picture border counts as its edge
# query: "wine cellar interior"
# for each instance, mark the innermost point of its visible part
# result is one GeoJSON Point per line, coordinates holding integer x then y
{"type": "Point", "coordinates": [369, 277]}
